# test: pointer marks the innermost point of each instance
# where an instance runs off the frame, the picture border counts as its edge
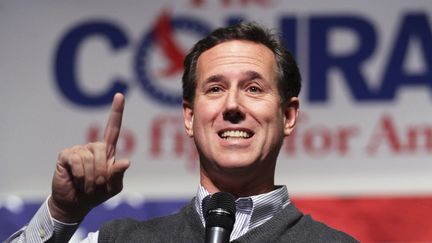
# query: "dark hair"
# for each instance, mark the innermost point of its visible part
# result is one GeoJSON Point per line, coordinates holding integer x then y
{"type": "Point", "coordinates": [289, 79]}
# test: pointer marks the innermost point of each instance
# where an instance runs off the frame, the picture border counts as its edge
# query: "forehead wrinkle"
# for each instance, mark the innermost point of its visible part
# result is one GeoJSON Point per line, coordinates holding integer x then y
{"type": "Point", "coordinates": [235, 64]}
{"type": "Point", "coordinates": [250, 74]}
{"type": "Point", "coordinates": [237, 59]}
{"type": "Point", "coordinates": [234, 54]}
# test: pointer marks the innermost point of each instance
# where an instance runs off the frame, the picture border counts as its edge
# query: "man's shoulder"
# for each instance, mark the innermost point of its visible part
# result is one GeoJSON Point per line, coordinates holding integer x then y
{"type": "Point", "coordinates": [321, 231]}
{"type": "Point", "coordinates": [291, 225]}
{"type": "Point", "coordinates": [159, 228]}
{"type": "Point", "coordinates": [127, 224]}
{"type": "Point", "coordinates": [303, 228]}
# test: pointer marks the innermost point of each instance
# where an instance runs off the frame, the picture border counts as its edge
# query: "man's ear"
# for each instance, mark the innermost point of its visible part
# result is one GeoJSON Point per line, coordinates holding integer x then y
{"type": "Point", "coordinates": [291, 111]}
{"type": "Point", "coordinates": [188, 117]}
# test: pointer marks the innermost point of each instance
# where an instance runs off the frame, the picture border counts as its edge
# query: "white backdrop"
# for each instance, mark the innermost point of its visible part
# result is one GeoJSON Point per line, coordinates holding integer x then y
{"type": "Point", "coordinates": [343, 145]}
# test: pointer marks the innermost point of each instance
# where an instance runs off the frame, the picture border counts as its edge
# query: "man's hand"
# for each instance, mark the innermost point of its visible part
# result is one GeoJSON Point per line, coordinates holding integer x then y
{"type": "Point", "coordinates": [88, 175]}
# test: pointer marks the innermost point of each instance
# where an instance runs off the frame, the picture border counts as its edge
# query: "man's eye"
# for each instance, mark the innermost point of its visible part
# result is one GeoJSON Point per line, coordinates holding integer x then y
{"type": "Point", "coordinates": [253, 89]}
{"type": "Point", "coordinates": [214, 89]}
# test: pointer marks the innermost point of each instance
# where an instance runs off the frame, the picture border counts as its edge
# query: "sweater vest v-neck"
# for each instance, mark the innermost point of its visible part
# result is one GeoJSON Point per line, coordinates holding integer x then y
{"type": "Point", "coordinates": [288, 225]}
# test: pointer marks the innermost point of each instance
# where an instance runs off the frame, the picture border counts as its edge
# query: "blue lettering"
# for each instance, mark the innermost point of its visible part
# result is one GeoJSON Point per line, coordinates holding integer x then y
{"type": "Point", "coordinates": [65, 62]}
{"type": "Point", "coordinates": [289, 34]}
{"type": "Point", "coordinates": [414, 26]}
{"type": "Point", "coordinates": [233, 20]}
{"type": "Point", "coordinates": [321, 60]}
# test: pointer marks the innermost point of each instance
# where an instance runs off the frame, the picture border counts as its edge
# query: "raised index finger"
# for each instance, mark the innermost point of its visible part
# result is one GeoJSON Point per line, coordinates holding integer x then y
{"type": "Point", "coordinates": [113, 126]}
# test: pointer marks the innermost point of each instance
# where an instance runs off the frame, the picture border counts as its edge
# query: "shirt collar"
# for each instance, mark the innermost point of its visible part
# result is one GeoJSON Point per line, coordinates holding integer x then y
{"type": "Point", "coordinates": [262, 206]}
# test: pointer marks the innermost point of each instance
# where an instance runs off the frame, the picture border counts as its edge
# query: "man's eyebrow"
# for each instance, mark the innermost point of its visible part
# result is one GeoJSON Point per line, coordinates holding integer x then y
{"type": "Point", "coordinates": [248, 76]}
{"type": "Point", "coordinates": [252, 75]}
{"type": "Point", "coordinates": [215, 78]}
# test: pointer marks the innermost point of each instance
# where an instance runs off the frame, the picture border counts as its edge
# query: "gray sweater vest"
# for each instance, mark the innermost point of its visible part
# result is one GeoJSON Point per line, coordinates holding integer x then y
{"type": "Point", "coordinates": [289, 225]}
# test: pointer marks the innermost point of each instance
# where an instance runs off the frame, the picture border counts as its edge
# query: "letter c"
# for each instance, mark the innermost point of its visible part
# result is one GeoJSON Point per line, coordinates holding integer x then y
{"type": "Point", "coordinates": [65, 62]}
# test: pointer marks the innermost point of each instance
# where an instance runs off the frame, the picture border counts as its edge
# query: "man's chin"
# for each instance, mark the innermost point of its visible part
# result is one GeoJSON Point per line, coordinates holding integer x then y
{"type": "Point", "coordinates": [236, 168]}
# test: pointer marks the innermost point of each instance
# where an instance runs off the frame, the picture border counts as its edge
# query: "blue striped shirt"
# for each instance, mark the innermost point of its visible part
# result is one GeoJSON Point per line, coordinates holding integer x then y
{"type": "Point", "coordinates": [251, 211]}
{"type": "Point", "coordinates": [42, 227]}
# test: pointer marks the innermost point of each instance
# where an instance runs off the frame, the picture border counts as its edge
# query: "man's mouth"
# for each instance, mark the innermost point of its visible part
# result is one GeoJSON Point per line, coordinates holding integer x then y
{"type": "Point", "coordinates": [235, 134]}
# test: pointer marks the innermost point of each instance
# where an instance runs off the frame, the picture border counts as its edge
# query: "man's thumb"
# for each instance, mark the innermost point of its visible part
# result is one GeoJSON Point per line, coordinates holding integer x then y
{"type": "Point", "coordinates": [118, 169]}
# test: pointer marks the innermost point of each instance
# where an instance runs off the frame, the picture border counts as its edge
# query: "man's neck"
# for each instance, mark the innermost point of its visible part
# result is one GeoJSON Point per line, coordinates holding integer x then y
{"type": "Point", "coordinates": [237, 186]}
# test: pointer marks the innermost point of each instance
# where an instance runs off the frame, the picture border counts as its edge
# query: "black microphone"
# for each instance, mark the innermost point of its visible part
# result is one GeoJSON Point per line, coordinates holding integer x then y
{"type": "Point", "coordinates": [220, 218]}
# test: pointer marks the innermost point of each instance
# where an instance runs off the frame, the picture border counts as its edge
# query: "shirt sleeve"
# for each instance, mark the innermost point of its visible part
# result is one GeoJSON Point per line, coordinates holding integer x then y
{"type": "Point", "coordinates": [92, 237]}
{"type": "Point", "coordinates": [43, 228]}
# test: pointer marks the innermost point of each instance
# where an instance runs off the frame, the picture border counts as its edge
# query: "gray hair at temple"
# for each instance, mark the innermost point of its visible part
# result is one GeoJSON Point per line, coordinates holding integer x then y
{"type": "Point", "coordinates": [289, 78]}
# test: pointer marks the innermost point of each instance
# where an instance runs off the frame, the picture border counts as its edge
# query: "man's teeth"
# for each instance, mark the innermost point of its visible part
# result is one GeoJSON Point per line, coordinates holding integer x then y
{"type": "Point", "coordinates": [235, 134]}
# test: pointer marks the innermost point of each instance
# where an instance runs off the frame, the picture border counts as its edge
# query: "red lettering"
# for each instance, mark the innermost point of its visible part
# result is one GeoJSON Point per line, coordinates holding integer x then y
{"type": "Point", "coordinates": [94, 133]}
{"type": "Point", "coordinates": [290, 145]}
{"type": "Point", "coordinates": [126, 141]}
{"type": "Point", "coordinates": [385, 134]}
{"type": "Point", "coordinates": [414, 139]}
{"type": "Point", "coordinates": [343, 135]}
{"type": "Point", "coordinates": [419, 137]}
{"type": "Point", "coordinates": [428, 134]}
{"type": "Point", "coordinates": [164, 126]}
{"type": "Point", "coordinates": [317, 141]}
{"type": "Point", "coordinates": [169, 138]}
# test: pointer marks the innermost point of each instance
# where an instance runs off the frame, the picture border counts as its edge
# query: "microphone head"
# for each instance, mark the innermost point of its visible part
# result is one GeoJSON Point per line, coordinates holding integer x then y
{"type": "Point", "coordinates": [221, 211]}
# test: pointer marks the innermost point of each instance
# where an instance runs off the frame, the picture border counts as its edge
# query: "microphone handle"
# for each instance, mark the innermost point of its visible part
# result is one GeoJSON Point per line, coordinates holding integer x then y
{"type": "Point", "coordinates": [217, 235]}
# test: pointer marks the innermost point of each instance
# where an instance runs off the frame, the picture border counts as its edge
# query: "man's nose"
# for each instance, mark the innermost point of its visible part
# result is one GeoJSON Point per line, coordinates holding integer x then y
{"type": "Point", "coordinates": [233, 111]}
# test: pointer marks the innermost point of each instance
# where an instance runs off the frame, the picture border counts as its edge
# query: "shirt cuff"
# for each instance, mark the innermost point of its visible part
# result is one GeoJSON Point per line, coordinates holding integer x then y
{"type": "Point", "coordinates": [62, 231]}
{"type": "Point", "coordinates": [42, 227]}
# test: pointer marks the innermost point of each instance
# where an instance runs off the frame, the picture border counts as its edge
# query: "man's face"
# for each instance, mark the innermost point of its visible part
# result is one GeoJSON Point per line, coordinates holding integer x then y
{"type": "Point", "coordinates": [237, 119]}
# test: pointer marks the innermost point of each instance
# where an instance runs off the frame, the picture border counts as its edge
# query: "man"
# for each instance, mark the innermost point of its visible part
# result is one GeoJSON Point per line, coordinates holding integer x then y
{"type": "Point", "coordinates": [240, 91]}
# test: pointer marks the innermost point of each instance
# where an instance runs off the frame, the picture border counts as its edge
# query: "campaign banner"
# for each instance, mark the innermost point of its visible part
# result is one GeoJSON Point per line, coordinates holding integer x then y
{"type": "Point", "coordinates": [365, 122]}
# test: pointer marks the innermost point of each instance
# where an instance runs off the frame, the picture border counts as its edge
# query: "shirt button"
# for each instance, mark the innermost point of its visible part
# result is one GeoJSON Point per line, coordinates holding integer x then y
{"type": "Point", "coordinates": [42, 233]}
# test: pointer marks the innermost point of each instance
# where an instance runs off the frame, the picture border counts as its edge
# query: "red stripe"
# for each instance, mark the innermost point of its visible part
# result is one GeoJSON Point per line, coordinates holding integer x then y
{"type": "Point", "coordinates": [374, 219]}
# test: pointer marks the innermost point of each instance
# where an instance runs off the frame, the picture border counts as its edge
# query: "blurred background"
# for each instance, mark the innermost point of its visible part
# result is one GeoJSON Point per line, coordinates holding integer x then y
{"type": "Point", "coordinates": [359, 160]}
